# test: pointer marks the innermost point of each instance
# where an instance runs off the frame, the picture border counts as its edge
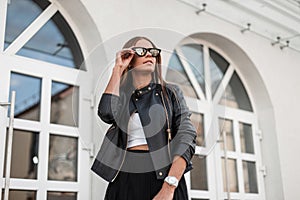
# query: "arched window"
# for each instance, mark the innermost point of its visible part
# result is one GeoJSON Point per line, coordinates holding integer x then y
{"type": "Point", "coordinates": [215, 93]}
{"type": "Point", "coordinates": [40, 60]}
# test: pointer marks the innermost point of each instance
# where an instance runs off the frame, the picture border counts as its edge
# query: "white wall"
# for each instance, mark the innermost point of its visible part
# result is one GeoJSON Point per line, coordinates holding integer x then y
{"type": "Point", "coordinates": [272, 80]}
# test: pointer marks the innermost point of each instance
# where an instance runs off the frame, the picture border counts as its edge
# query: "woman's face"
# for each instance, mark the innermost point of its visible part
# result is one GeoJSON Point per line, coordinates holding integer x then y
{"type": "Point", "coordinates": [145, 63]}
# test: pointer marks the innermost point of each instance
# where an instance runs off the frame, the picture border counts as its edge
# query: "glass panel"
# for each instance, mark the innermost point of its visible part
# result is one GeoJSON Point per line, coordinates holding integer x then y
{"type": "Point", "coordinates": [197, 120]}
{"type": "Point", "coordinates": [64, 104]}
{"type": "Point", "coordinates": [235, 95]}
{"type": "Point", "coordinates": [176, 74]}
{"type": "Point", "coordinates": [218, 66]}
{"type": "Point", "coordinates": [28, 96]}
{"type": "Point", "coordinates": [232, 175]}
{"type": "Point", "coordinates": [20, 14]}
{"type": "Point", "coordinates": [250, 181]}
{"type": "Point", "coordinates": [199, 173]}
{"type": "Point", "coordinates": [61, 195]}
{"type": "Point", "coordinates": [20, 195]}
{"type": "Point", "coordinates": [55, 42]}
{"type": "Point", "coordinates": [62, 164]}
{"type": "Point", "coordinates": [227, 126]}
{"type": "Point", "coordinates": [193, 54]}
{"type": "Point", "coordinates": [25, 151]}
{"type": "Point", "coordinates": [246, 138]}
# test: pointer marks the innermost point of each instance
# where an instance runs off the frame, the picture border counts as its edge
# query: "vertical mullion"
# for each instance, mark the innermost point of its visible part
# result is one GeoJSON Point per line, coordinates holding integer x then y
{"type": "Point", "coordinates": [4, 88]}
{"type": "Point", "coordinates": [211, 176]}
{"type": "Point", "coordinates": [219, 182]}
{"type": "Point", "coordinates": [44, 137]}
{"type": "Point", "coordinates": [3, 11]}
{"type": "Point", "coordinates": [239, 160]}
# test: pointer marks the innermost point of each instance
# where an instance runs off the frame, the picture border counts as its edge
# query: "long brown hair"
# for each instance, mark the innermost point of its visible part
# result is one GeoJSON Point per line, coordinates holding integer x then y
{"type": "Point", "coordinates": [157, 74]}
{"type": "Point", "coordinates": [157, 77]}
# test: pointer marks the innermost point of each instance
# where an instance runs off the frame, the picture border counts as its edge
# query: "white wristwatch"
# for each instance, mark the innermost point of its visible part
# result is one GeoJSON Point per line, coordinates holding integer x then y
{"type": "Point", "coordinates": [172, 180]}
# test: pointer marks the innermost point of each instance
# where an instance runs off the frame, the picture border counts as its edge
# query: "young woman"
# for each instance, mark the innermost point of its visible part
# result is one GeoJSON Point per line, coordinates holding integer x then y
{"type": "Point", "coordinates": [154, 128]}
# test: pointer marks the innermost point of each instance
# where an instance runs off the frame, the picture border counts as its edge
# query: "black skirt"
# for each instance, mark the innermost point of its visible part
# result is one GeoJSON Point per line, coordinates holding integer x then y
{"type": "Point", "coordinates": [138, 183]}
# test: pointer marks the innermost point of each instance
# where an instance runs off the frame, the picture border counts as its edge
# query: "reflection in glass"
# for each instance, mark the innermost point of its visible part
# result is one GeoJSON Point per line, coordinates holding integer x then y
{"type": "Point", "coordinates": [176, 74]}
{"type": "Point", "coordinates": [62, 163]}
{"type": "Point", "coordinates": [24, 160]}
{"type": "Point", "coordinates": [61, 196]}
{"type": "Point", "coordinates": [28, 96]}
{"type": "Point", "coordinates": [197, 120]}
{"type": "Point", "coordinates": [193, 54]}
{"type": "Point", "coordinates": [232, 175]}
{"type": "Point", "coordinates": [227, 126]}
{"type": "Point", "coordinates": [246, 138]}
{"type": "Point", "coordinates": [64, 104]}
{"type": "Point", "coordinates": [55, 42]}
{"type": "Point", "coordinates": [49, 45]}
{"type": "Point", "coordinates": [218, 66]}
{"type": "Point", "coordinates": [235, 95]}
{"type": "Point", "coordinates": [20, 14]}
{"type": "Point", "coordinates": [250, 181]}
{"type": "Point", "coordinates": [199, 174]}
{"type": "Point", "coordinates": [20, 195]}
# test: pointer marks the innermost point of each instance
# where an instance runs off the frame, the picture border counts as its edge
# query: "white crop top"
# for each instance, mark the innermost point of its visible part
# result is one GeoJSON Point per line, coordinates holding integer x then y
{"type": "Point", "coordinates": [136, 135]}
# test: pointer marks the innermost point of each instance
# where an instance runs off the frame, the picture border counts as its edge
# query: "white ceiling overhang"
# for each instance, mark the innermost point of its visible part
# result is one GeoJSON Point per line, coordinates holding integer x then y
{"type": "Point", "coordinates": [268, 18]}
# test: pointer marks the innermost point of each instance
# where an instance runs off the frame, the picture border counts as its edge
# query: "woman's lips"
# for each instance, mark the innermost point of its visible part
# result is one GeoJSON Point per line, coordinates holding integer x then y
{"type": "Point", "coordinates": [148, 61]}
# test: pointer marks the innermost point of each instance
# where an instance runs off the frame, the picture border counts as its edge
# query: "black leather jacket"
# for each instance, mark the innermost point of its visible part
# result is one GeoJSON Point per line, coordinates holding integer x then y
{"type": "Point", "coordinates": [149, 104]}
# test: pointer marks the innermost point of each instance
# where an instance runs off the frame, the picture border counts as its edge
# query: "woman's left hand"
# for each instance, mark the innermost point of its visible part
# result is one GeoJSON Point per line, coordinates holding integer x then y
{"type": "Point", "coordinates": [165, 193]}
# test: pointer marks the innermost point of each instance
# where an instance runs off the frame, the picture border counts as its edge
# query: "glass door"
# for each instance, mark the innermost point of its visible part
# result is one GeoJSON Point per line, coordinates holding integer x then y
{"type": "Point", "coordinates": [40, 59]}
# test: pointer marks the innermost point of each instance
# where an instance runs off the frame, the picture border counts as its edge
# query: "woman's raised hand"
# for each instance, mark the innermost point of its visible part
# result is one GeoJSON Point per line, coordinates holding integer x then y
{"type": "Point", "coordinates": [123, 59]}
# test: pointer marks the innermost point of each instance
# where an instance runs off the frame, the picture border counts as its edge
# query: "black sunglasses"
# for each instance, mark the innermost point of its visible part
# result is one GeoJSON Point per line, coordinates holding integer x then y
{"type": "Point", "coordinates": [141, 51]}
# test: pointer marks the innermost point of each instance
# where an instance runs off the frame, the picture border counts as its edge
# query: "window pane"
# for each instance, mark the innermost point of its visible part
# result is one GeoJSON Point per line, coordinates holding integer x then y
{"type": "Point", "coordinates": [61, 196]}
{"type": "Point", "coordinates": [55, 42]}
{"type": "Point", "coordinates": [20, 14]}
{"type": "Point", "coordinates": [193, 54]}
{"type": "Point", "coordinates": [250, 180]}
{"type": "Point", "coordinates": [64, 104]}
{"type": "Point", "coordinates": [176, 74]}
{"type": "Point", "coordinates": [235, 95]}
{"type": "Point", "coordinates": [218, 66]}
{"type": "Point", "coordinates": [62, 164]}
{"type": "Point", "coordinates": [24, 160]}
{"type": "Point", "coordinates": [232, 175]}
{"type": "Point", "coordinates": [227, 126]}
{"type": "Point", "coordinates": [246, 138]}
{"type": "Point", "coordinates": [199, 174]}
{"type": "Point", "coordinates": [28, 96]}
{"type": "Point", "coordinates": [20, 195]}
{"type": "Point", "coordinates": [197, 120]}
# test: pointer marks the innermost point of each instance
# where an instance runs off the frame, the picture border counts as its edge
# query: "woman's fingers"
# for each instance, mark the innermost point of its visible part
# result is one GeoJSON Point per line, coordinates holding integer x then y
{"type": "Point", "coordinates": [124, 57]}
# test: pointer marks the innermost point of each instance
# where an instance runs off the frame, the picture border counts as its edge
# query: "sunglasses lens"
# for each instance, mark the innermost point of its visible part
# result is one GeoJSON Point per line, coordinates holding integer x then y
{"type": "Point", "coordinates": [154, 52]}
{"type": "Point", "coordinates": [140, 51]}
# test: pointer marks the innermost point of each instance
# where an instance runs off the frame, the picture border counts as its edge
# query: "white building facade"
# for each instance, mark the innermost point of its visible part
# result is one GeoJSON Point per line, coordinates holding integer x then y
{"type": "Point", "coordinates": [237, 63]}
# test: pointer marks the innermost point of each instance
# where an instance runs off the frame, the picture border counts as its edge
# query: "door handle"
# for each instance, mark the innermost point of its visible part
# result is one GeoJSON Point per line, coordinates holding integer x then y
{"type": "Point", "coordinates": [9, 141]}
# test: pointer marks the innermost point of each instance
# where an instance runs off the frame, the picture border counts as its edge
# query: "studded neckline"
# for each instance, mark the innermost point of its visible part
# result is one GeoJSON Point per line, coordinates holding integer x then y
{"type": "Point", "coordinates": [144, 90]}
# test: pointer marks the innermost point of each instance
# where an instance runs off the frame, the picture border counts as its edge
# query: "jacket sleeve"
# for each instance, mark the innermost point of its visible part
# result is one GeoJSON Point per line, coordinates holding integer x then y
{"type": "Point", "coordinates": [108, 108]}
{"type": "Point", "coordinates": [184, 141]}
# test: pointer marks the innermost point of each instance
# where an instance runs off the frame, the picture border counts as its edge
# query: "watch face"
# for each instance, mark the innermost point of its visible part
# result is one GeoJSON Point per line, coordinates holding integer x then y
{"type": "Point", "coordinates": [172, 180]}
